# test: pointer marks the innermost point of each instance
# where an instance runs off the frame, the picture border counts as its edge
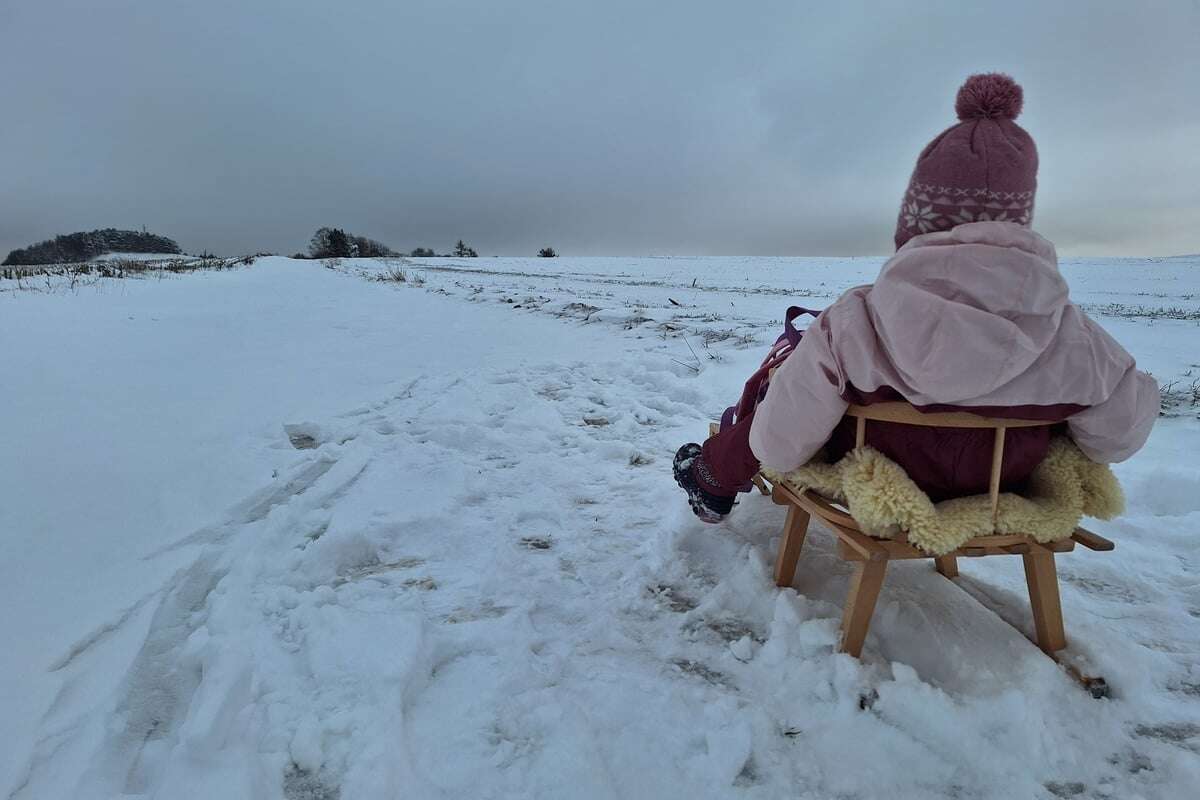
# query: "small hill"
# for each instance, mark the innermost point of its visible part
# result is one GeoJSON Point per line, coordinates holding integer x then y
{"type": "Point", "coordinates": [84, 246]}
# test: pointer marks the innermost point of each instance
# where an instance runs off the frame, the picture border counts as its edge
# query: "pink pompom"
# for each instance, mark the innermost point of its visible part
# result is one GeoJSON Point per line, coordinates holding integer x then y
{"type": "Point", "coordinates": [992, 95]}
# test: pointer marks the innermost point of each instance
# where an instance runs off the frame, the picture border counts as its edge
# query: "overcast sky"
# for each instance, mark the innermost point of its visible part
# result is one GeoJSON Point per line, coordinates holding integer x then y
{"type": "Point", "coordinates": [610, 127]}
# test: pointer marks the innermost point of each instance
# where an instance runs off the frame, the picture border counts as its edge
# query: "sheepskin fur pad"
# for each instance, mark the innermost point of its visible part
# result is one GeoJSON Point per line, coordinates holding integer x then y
{"type": "Point", "coordinates": [881, 497]}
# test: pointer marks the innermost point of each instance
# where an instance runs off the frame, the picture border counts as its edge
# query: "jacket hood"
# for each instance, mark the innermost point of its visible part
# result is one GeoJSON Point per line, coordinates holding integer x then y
{"type": "Point", "coordinates": [963, 312]}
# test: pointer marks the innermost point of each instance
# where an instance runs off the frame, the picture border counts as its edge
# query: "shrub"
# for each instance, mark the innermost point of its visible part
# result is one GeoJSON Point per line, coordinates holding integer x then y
{"type": "Point", "coordinates": [463, 251]}
{"type": "Point", "coordinates": [547, 252]}
{"type": "Point", "coordinates": [336, 243]}
{"type": "Point", "coordinates": [392, 275]}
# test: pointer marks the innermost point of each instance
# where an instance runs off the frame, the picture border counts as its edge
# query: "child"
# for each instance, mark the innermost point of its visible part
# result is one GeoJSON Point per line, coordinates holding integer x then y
{"type": "Point", "coordinates": [970, 314]}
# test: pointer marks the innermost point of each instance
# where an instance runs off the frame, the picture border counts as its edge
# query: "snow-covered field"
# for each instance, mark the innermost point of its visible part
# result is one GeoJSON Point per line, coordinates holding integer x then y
{"type": "Point", "coordinates": [287, 532]}
{"type": "Point", "coordinates": [137, 257]}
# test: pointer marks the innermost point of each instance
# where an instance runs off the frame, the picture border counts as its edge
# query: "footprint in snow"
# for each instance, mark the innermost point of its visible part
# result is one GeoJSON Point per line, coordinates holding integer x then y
{"type": "Point", "coordinates": [303, 784]}
{"type": "Point", "coordinates": [703, 672]}
{"type": "Point", "coordinates": [425, 584]}
{"type": "Point", "coordinates": [486, 610]}
{"type": "Point", "coordinates": [303, 436]}
{"type": "Point", "coordinates": [672, 598]}
{"type": "Point", "coordinates": [1179, 733]}
{"type": "Point", "coordinates": [749, 775]}
{"type": "Point", "coordinates": [1109, 590]}
{"type": "Point", "coordinates": [728, 629]}
{"type": "Point", "coordinates": [371, 570]}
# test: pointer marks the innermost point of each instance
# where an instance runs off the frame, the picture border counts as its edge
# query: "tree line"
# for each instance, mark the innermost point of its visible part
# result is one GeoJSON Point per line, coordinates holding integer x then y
{"type": "Point", "coordinates": [337, 243]}
{"type": "Point", "coordinates": [86, 245]}
{"type": "Point", "coordinates": [327, 242]}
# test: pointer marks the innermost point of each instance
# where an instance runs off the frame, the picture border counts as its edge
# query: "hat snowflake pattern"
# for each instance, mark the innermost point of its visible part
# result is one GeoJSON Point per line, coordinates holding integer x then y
{"type": "Point", "coordinates": [984, 168]}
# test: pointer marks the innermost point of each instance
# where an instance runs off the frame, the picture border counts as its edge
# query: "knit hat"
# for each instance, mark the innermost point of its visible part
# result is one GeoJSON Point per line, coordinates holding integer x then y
{"type": "Point", "coordinates": [983, 168]}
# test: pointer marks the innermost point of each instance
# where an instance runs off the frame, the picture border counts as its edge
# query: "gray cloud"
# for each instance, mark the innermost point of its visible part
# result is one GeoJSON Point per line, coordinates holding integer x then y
{"type": "Point", "coordinates": [601, 128]}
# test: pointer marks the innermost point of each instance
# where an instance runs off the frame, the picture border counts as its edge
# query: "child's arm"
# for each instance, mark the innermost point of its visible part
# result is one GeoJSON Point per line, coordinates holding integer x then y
{"type": "Point", "coordinates": [1117, 428]}
{"type": "Point", "coordinates": [803, 403]}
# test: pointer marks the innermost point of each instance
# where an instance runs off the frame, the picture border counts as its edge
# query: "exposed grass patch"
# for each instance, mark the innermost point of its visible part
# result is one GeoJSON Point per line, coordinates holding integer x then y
{"type": "Point", "coordinates": [1178, 398]}
{"type": "Point", "coordinates": [70, 277]}
{"type": "Point", "coordinates": [1130, 311]}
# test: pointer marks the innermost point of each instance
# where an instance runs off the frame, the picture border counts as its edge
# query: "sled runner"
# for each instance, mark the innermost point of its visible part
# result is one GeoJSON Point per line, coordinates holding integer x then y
{"type": "Point", "coordinates": [870, 555]}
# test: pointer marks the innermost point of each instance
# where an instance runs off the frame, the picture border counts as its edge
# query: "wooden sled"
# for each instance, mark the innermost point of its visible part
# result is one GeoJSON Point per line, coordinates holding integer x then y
{"type": "Point", "coordinates": [871, 556]}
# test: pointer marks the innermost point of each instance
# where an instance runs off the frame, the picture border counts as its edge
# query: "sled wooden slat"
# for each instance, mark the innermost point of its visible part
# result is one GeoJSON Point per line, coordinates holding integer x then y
{"type": "Point", "coordinates": [947, 566]}
{"type": "Point", "coordinates": [870, 555]}
{"type": "Point", "coordinates": [846, 528]}
{"type": "Point", "coordinates": [818, 505]}
{"type": "Point", "coordinates": [994, 478]}
{"type": "Point", "coordinates": [999, 540]}
{"type": "Point", "coordinates": [1091, 540]}
{"type": "Point", "coordinates": [869, 549]}
{"type": "Point", "coordinates": [897, 551]}
{"type": "Point", "coordinates": [905, 414]}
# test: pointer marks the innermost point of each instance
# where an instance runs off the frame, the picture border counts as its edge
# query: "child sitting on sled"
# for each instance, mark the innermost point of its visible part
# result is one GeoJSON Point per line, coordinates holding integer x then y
{"type": "Point", "coordinates": [970, 314]}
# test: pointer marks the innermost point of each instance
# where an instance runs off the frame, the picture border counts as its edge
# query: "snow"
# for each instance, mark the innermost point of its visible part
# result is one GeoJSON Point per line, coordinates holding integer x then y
{"type": "Point", "coordinates": [138, 257]}
{"type": "Point", "coordinates": [288, 532]}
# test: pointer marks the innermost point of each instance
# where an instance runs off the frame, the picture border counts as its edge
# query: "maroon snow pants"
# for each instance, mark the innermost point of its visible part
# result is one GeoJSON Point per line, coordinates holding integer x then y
{"type": "Point", "coordinates": [727, 463]}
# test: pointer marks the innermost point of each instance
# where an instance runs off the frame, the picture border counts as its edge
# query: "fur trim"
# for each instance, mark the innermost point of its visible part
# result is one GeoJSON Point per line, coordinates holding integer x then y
{"type": "Point", "coordinates": [884, 500]}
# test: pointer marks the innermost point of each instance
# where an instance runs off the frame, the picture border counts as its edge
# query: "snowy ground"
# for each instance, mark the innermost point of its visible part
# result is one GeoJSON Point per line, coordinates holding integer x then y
{"type": "Point", "coordinates": [285, 532]}
{"type": "Point", "coordinates": [137, 257]}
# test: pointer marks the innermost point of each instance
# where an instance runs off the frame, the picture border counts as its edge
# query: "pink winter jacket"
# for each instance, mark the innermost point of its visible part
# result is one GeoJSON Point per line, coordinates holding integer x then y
{"type": "Point", "coordinates": [974, 317]}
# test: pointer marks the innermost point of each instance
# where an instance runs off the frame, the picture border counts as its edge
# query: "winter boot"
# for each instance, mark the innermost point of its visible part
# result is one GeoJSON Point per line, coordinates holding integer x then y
{"type": "Point", "coordinates": [707, 506]}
